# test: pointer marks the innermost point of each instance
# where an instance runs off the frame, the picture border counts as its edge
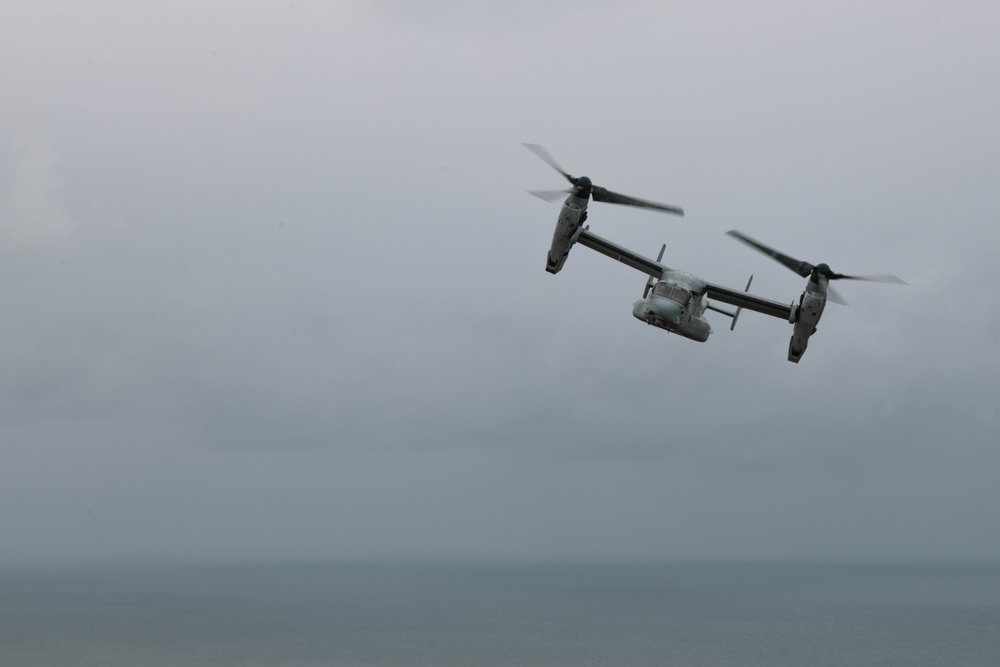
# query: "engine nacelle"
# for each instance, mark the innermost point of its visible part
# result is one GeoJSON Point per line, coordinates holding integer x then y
{"type": "Point", "coordinates": [805, 317]}
{"type": "Point", "coordinates": [568, 227]}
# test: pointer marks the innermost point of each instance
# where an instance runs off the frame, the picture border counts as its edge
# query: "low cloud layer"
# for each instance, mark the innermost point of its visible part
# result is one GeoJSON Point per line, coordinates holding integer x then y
{"type": "Point", "coordinates": [272, 287]}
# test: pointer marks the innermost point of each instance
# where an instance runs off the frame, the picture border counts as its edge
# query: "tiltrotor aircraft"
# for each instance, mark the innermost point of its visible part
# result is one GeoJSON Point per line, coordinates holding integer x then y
{"type": "Point", "coordinates": [674, 300]}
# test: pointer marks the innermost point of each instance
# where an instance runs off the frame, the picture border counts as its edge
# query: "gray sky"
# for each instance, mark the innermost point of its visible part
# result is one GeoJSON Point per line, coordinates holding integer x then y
{"type": "Point", "coordinates": [272, 287]}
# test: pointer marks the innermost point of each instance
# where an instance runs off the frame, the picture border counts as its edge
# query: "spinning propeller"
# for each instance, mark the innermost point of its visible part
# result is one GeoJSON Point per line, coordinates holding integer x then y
{"type": "Point", "coordinates": [584, 188]}
{"type": "Point", "coordinates": [806, 270]}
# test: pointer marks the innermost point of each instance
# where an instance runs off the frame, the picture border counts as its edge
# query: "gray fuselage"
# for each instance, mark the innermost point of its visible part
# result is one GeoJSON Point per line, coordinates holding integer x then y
{"type": "Point", "coordinates": [677, 304]}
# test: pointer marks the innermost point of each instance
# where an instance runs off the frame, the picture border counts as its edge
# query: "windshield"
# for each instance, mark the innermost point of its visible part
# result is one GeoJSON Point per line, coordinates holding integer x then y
{"type": "Point", "coordinates": [672, 292]}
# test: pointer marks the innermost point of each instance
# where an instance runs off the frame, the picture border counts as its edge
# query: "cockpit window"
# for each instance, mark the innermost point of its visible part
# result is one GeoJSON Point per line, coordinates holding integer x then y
{"type": "Point", "coordinates": [662, 289]}
{"type": "Point", "coordinates": [672, 292]}
{"type": "Point", "coordinates": [680, 295]}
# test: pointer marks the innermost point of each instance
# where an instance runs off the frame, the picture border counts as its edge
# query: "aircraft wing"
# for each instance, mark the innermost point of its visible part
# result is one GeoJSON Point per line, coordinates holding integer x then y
{"type": "Point", "coordinates": [655, 269]}
{"type": "Point", "coordinates": [748, 301]}
{"type": "Point", "coordinates": [623, 255]}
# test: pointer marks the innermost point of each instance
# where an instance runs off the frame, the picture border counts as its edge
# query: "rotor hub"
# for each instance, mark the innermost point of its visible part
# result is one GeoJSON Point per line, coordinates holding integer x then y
{"type": "Point", "coordinates": [582, 187]}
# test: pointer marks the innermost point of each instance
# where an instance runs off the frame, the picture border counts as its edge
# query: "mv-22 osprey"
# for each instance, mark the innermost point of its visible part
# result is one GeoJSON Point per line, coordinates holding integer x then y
{"type": "Point", "coordinates": [674, 300]}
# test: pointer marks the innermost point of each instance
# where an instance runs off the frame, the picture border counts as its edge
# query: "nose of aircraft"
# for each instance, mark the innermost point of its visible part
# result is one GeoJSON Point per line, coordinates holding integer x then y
{"type": "Point", "coordinates": [665, 310]}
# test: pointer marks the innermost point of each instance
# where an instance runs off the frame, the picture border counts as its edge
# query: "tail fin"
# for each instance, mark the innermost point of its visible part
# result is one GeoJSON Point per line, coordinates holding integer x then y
{"type": "Point", "coordinates": [733, 315]}
{"type": "Point", "coordinates": [649, 281]}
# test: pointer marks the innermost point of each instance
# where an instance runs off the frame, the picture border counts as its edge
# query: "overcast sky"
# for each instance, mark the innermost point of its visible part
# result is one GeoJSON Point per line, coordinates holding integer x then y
{"type": "Point", "coordinates": [271, 285]}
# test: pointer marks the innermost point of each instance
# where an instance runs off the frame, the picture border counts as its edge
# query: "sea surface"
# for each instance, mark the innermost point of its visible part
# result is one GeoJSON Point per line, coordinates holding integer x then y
{"type": "Point", "coordinates": [465, 614]}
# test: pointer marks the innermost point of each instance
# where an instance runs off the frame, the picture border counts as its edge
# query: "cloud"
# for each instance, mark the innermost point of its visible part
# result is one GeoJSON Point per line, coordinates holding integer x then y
{"type": "Point", "coordinates": [32, 202]}
{"type": "Point", "coordinates": [272, 285]}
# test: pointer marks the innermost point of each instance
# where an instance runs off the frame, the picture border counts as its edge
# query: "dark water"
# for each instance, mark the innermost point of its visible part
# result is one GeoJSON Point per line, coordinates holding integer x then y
{"type": "Point", "coordinates": [472, 615]}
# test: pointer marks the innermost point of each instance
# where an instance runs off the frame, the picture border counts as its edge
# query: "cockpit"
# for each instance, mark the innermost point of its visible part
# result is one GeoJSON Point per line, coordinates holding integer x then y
{"type": "Point", "coordinates": [673, 292]}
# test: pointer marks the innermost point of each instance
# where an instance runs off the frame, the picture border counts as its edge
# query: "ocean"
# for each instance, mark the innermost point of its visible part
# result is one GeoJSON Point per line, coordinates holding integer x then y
{"type": "Point", "coordinates": [474, 614]}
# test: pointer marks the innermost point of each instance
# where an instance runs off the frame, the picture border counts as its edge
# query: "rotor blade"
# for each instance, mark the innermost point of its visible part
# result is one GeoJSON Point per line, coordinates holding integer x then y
{"type": "Point", "coordinates": [834, 295]}
{"type": "Point", "coordinates": [550, 195]}
{"type": "Point", "coordinates": [882, 278]}
{"type": "Point", "coordinates": [801, 268]}
{"type": "Point", "coordinates": [548, 159]}
{"type": "Point", "coordinates": [605, 195]}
